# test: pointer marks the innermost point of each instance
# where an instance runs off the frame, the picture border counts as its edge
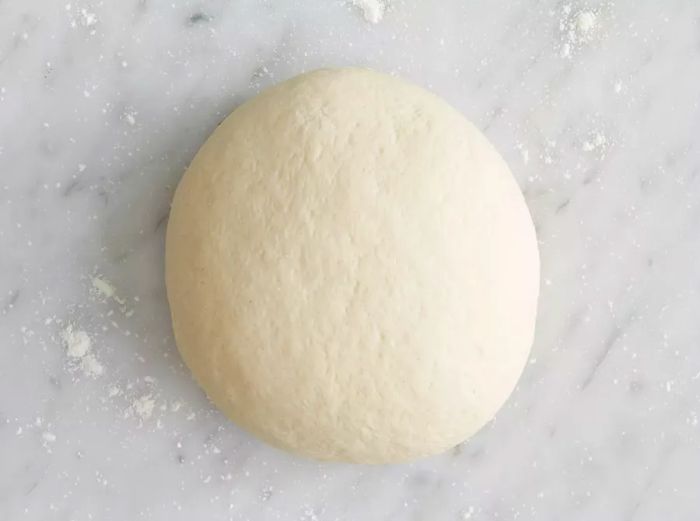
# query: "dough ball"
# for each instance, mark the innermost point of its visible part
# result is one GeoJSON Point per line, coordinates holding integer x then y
{"type": "Point", "coordinates": [352, 270]}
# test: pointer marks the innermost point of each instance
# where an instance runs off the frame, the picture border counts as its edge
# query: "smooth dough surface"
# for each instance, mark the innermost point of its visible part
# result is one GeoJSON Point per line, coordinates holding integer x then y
{"type": "Point", "coordinates": [352, 270]}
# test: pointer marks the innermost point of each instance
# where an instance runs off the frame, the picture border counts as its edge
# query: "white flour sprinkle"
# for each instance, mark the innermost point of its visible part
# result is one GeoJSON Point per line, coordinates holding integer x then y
{"type": "Point", "coordinates": [143, 406]}
{"type": "Point", "coordinates": [524, 152]}
{"type": "Point", "coordinates": [266, 494]}
{"type": "Point", "coordinates": [87, 18]}
{"type": "Point", "coordinates": [47, 439]}
{"type": "Point", "coordinates": [77, 343]}
{"type": "Point", "coordinates": [598, 141]}
{"type": "Point", "coordinates": [103, 287]}
{"type": "Point", "coordinates": [309, 515]}
{"type": "Point", "coordinates": [692, 419]}
{"type": "Point", "coordinates": [83, 18]}
{"type": "Point", "coordinates": [91, 367]}
{"type": "Point", "coordinates": [27, 334]}
{"type": "Point", "coordinates": [585, 22]}
{"type": "Point", "coordinates": [78, 347]}
{"type": "Point", "coordinates": [130, 118]}
{"type": "Point", "coordinates": [576, 30]}
{"type": "Point", "coordinates": [372, 10]}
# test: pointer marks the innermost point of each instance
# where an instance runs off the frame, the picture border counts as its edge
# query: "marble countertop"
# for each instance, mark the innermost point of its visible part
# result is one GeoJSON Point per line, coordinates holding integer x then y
{"type": "Point", "coordinates": [595, 105]}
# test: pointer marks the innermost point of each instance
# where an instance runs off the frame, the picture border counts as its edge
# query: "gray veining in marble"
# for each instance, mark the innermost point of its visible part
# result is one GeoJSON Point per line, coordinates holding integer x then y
{"type": "Point", "coordinates": [102, 105]}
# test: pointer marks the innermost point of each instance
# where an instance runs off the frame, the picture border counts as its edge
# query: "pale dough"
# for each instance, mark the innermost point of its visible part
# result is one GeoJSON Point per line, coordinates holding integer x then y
{"type": "Point", "coordinates": [352, 270]}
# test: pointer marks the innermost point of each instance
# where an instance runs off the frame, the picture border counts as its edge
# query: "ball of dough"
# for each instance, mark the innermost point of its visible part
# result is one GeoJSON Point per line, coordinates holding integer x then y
{"type": "Point", "coordinates": [352, 270]}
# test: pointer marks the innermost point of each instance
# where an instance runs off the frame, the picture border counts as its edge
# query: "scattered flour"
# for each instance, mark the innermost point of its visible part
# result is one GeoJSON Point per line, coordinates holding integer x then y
{"type": "Point", "coordinates": [524, 152]}
{"type": "Point", "coordinates": [372, 10]}
{"type": "Point", "coordinates": [130, 118]}
{"type": "Point", "coordinates": [585, 22]}
{"type": "Point", "coordinates": [106, 290]}
{"type": "Point", "coordinates": [87, 18]}
{"type": "Point", "coordinates": [309, 514]}
{"type": "Point", "coordinates": [143, 406]}
{"type": "Point", "coordinates": [103, 287]}
{"type": "Point", "coordinates": [692, 419]}
{"type": "Point", "coordinates": [576, 29]}
{"type": "Point", "coordinates": [266, 494]}
{"type": "Point", "coordinates": [27, 334]}
{"type": "Point", "coordinates": [47, 439]}
{"type": "Point", "coordinates": [78, 347]}
{"type": "Point", "coordinates": [468, 513]}
{"type": "Point", "coordinates": [77, 343]}
{"type": "Point", "coordinates": [597, 142]}
{"type": "Point", "coordinates": [91, 366]}
{"type": "Point", "coordinates": [82, 17]}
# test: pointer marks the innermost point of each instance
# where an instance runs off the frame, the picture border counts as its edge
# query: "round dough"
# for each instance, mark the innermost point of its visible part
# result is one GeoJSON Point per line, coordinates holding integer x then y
{"type": "Point", "coordinates": [352, 270]}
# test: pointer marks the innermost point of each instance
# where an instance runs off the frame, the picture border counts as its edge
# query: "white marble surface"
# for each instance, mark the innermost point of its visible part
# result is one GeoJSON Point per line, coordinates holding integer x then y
{"type": "Point", "coordinates": [102, 105]}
